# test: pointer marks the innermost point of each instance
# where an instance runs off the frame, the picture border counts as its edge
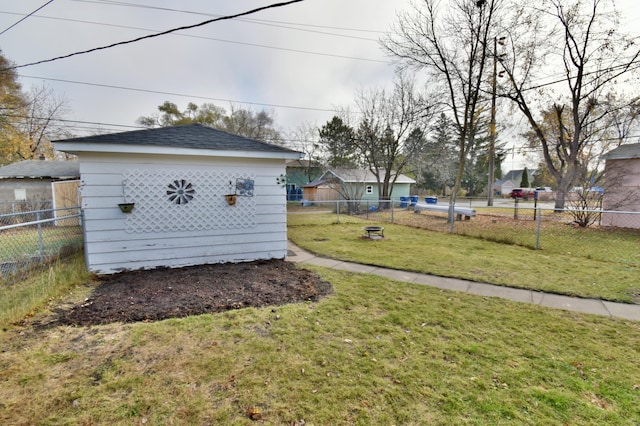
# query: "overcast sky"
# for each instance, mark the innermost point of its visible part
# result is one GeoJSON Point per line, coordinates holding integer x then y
{"type": "Point", "coordinates": [298, 62]}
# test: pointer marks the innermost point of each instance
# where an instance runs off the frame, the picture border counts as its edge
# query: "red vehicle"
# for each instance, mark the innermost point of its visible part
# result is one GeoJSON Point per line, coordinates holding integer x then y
{"type": "Point", "coordinates": [522, 193]}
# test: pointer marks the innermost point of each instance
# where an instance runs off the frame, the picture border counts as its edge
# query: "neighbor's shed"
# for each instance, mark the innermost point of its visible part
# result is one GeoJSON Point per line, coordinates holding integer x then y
{"type": "Point", "coordinates": [39, 184]}
{"type": "Point", "coordinates": [180, 181]}
{"type": "Point", "coordinates": [622, 191]}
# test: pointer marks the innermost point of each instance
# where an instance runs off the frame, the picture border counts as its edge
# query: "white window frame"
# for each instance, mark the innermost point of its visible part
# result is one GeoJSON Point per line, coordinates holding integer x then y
{"type": "Point", "coordinates": [369, 189]}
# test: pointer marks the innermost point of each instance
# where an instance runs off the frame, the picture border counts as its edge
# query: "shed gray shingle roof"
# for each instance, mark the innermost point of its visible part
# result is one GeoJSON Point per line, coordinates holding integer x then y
{"type": "Point", "coordinates": [194, 136]}
{"type": "Point", "coordinates": [41, 169]}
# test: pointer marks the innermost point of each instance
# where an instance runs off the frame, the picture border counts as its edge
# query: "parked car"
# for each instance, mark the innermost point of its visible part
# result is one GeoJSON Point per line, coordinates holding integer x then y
{"type": "Point", "coordinates": [523, 193]}
{"type": "Point", "coordinates": [544, 189]}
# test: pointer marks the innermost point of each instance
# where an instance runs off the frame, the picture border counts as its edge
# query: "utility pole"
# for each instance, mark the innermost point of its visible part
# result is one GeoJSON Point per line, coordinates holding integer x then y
{"type": "Point", "coordinates": [492, 125]}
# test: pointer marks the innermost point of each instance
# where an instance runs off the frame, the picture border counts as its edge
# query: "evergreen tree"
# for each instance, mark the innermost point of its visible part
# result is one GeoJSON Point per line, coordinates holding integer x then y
{"type": "Point", "coordinates": [434, 163]}
{"type": "Point", "coordinates": [524, 183]}
{"type": "Point", "coordinates": [336, 139]}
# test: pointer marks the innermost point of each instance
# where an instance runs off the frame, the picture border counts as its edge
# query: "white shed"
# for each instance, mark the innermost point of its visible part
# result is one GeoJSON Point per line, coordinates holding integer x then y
{"type": "Point", "coordinates": [178, 179]}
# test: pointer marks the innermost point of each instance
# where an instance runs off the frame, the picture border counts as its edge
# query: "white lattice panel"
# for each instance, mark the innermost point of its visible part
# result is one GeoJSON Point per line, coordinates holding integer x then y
{"type": "Point", "coordinates": [186, 200]}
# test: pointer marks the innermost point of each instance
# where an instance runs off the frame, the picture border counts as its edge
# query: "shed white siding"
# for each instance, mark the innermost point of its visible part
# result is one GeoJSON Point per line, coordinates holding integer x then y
{"type": "Point", "coordinates": [161, 233]}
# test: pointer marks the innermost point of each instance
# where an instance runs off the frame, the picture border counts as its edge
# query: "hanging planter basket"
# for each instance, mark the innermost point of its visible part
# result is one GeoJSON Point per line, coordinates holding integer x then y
{"type": "Point", "coordinates": [126, 207]}
{"type": "Point", "coordinates": [231, 199]}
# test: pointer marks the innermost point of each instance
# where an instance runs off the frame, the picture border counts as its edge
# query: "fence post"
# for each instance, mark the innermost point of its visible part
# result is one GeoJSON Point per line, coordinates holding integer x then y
{"type": "Point", "coordinates": [40, 243]}
{"type": "Point", "coordinates": [539, 217]}
{"type": "Point", "coordinates": [452, 206]}
{"type": "Point", "coordinates": [391, 201]}
{"type": "Point", "coordinates": [338, 210]}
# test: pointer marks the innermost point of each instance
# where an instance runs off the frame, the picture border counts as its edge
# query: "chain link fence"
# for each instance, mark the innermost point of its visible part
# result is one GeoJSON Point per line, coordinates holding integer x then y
{"type": "Point", "coordinates": [31, 240]}
{"type": "Point", "coordinates": [611, 236]}
{"type": "Point", "coordinates": [9, 207]}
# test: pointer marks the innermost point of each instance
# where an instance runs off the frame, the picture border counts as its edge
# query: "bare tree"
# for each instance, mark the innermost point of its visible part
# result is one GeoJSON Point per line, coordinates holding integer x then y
{"type": "Point", "coordinates": [255, 125]}
{"type": "Point", "coordinates": [580, 38]}
{"type": "Point", "coordinates": [42, 122]}
{"type": "Point", "coordinates": [452, 44]}
{"type": "Point", "coordinates": [303, 139]}
{"type": "Point", "coordinates": [240, 121]}
{"type": "Point", "coordinates": [349, 184]}
{"type": "Point", "coordinates": [383, 137]}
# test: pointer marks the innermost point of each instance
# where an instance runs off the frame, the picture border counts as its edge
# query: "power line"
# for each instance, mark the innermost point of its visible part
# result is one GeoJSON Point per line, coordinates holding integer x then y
{"type": "Point", "coordinates": [81, 125]}
{"type": "Point", "coordinates": [251, 20]}
{"type": "Point", "coordinates": [109, 86]}
{"type": "Point", "coordinates": [186, 27]}
{"type": "Point", "coordinates": [634, 64]}
{"type": "Point", "coordinates": [226, 41]}
{"type": "Point", "coordinates": [25, 17]}
{"type": "Point", "coordinates": [62, 120]}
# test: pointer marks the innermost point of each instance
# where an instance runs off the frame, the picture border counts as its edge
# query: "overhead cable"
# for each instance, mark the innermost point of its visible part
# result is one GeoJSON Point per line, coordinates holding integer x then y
{"type": "Point", "coordinates": [251, 20]}
{"type": "Point", "coordinates": [308, 52]}
{"type": "Point", "coordinates": [135, 40]}
{"type": "Point", "coordinates": [109, 86]}
{"type": "Point", "coordinates": [25, 17]}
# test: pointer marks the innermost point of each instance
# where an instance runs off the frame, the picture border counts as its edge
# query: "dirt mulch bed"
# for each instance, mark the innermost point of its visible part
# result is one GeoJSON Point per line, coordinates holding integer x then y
{"type": "Point", "coordinates": [172, 293]}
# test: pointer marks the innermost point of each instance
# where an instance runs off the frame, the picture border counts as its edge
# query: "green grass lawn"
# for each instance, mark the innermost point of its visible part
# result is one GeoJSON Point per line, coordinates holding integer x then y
{"type": "Point", "coordinates": [376, 352]}
{"type": "Point", "coordinates": [419, 250]}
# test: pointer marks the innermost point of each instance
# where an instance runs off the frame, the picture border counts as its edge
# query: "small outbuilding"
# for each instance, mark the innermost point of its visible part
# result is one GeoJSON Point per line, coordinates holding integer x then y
{"type": "Point", "coordinates": [39, 184]}
{"type": "Point", "coordinates": [622, 190]}
{"type": "Point", "coordinates": [180, 196]}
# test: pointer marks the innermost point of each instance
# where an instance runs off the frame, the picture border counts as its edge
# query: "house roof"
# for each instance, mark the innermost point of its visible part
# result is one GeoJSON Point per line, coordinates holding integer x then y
{"type": "Point", "coordinates": [503, 181]}
{"type": "Point", "coordinates": [624, 152]}
{"type": "Point", "coordinates": [354, 176]}
{"type": "Point", "coordinates": [41, 169]}
{"type": "Point", "coordinates": [516, 175]}
{"type": "Point", "coordinates": [314, 183]}
{"type": "Point", "coordinates": [182, 138]}
{"type": "Point", "coordinates": [362, 175]}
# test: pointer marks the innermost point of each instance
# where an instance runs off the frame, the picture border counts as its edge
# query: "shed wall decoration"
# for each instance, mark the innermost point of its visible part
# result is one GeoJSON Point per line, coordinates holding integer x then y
{"type": "Point", "coordinates": [185, 200]}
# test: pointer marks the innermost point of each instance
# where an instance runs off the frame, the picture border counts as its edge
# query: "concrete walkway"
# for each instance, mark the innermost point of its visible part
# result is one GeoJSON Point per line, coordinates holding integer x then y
{"type": "Point", "coordinates": [588, 306]}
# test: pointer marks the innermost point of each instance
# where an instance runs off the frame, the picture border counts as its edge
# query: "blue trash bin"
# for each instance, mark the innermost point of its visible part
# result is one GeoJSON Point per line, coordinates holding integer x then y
{"type": "Point", "coordinates": [404, 202]}
{"type": "Point", "coordinates": [431, 200]}
{"type": "Point", "coordinates": [414, 200]}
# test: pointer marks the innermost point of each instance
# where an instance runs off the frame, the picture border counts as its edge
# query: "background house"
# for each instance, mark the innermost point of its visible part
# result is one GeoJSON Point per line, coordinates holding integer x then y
{"type": "Point", "coordinates": [353, 184]}
{"type": "Point", "coordinates": [178, 179]}
{"type": "Point", "coordinates": [622, 191]}
{"type": "Point", "coordinates": [513, 179]}
{"type": "Point", "coordinates": [503, 187]}
{"type": "Point", "coordinates": [39, 184]}
{"type": "Point", "coordinates": [516, 176]}
{"type": "Point", "coordinates": [299, 173]}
